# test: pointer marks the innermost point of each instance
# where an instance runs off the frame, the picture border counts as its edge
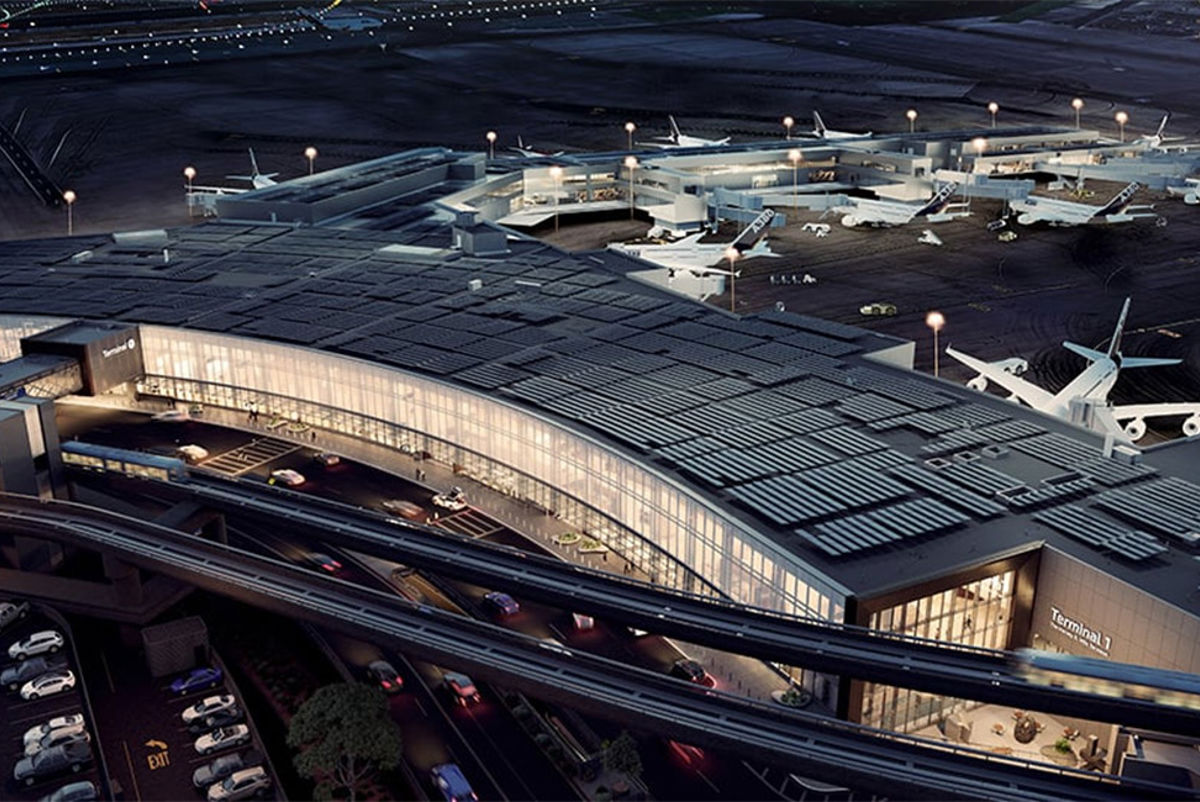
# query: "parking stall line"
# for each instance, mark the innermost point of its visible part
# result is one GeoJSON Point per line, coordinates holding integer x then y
{"type": "Point", "coordinates": [44, 714]}
{"type": "Point", "coordinates": [137, 792]}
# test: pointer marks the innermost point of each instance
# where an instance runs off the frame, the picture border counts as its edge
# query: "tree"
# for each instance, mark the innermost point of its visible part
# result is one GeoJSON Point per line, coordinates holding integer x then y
{"type": "Point", "coordinates": [344, 734]}
{"type": "Point", "coordinates": [621, 755]}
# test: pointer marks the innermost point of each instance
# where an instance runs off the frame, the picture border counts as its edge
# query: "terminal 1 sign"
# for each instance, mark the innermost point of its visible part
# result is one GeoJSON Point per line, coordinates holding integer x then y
{"type": "Point", "coordinates": [1080, 632]}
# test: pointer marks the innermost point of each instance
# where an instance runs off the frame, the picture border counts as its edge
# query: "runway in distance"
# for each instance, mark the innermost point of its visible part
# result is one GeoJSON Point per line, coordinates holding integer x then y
{"type": "Point", "coordinates": [1126, 423]}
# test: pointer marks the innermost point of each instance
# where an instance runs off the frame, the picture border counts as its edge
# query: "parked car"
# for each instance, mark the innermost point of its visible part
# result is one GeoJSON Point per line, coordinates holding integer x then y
{"type": "Point", "coordinates": [170, 416]}
{"type": "Point", "coordinates": [17, 675]}
{"type": "Point", "coordinates": [405, 509]}
{"type": "Point", "coordinates": [221, 718]}
{"type": "Point", "coordinates": [63, 735]}
{"type": "Point", "coordinates": [501, 603]}
{"type": "Point", "coordinates": [222, 738]}
{"type": "Point", "coordinates": [242, 784]}
{"type": "Point", "coordinates": [692, 671]}
{"type": "Point", "coordinates": [207, 706]}
{"type": "Point", "coordinates": [83, 791]}
{"type": "Point", "coordinates": [223, 766]}
{"type": "Point", "coordinates": [449, 779]}
{"type": "Point", "coordinates": [12, 611]}
{"type": "Point", "coordinates": [288, 477]}
{"type": "Point", "coordinates": [878, 309]}
{"type": "Point", "coordinates": [323, 561]}
{"type": "Point", "coordinates": [35, 733]}
{"type": "Point", "coordinates": [48, 762]}
{"type": "Point", "coordinates": [382, 672]}
{"type": "Point", "coordinates": [453, 499]}
{"type": "Point", "coordinates": [461, 688]}
{"type": "Point", "coordinates": [48, 684]}
{"type": "Point", "coordinates": [192, 452]}
{"type": "Point", "coordinates": [197, 678]}
{"type": "Point", "coordinates": [47, 641]}
{"type": "Point", "coordinates": [326, 459]}
{"type": "Point", "coordinates": [1007, 236]}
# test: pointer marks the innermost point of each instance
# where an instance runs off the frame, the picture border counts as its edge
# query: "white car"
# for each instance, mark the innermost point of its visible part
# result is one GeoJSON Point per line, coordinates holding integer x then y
{"type": "Point", "coordinates": [34, 734]}
{"type": "Point", "coordinates": [57, 738]}
{"type": "Point", "coordinates": [207, 706]}
{"type": "Point", "coordinates": [241, 785]}
{"type": "Point", "coordinates": [171, 415]}
{"type": "Point", "coordinates": [286, 476]}
{"type": "Point", "coordinates": [51, 682]}
{"type": "Point", "coordinates": [223, 738]}
{"type": "Point", "coordinates": [47, 640]}
{"type": "Point", "coordinates": [454, 500]}
{"type": "Point", "coordinates": [192, 452]}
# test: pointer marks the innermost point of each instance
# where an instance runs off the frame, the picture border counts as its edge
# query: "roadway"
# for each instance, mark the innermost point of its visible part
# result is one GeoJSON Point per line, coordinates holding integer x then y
{"type": "Point", "coordinates": [833, 751]}
{"type": "Point", "coordinates": [38, 182]}
{"type": "Point", "coordinates": [958, 671]}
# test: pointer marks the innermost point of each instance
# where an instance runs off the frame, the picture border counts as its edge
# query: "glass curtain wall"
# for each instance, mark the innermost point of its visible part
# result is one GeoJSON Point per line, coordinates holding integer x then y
{"type": "Point", "coordinates": [978, 613]}
{"type": "Point", "coordinates": [590, 485]}
{"type": "Point", "coordinates": [14, 327]}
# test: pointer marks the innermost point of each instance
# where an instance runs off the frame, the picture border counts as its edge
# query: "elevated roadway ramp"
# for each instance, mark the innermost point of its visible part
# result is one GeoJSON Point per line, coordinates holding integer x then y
{"type": "Point", "coordinates": [887, 764]}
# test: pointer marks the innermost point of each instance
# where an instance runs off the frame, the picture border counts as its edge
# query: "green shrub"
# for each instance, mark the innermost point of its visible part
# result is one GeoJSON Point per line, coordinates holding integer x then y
{"type": "Point", "coordinates": [1063, 745]}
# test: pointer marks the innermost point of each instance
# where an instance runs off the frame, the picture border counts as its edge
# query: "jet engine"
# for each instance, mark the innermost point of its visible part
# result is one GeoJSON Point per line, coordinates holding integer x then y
{"type": "Point", "coordinates": [1026, 219]}
{"type": "Point", "coordinates": [850, 221]}
{"type": "Point", "coordinates": [1135, 429]}
{"type": "Point", "coordinates": [1191, 426]}
{"type": "Point", "coordinates": [979, 383]}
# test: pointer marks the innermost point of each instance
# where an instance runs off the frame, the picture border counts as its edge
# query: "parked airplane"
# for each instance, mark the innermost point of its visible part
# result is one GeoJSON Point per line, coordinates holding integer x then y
{"type": "Point", "coordinates": [678, 139]}
{"type": "Point", "coordinates": [1057, 212]}
{"type": "Point", "coordinates": [1093, 384]}
{"type": "Point", "coordinates": [1156, 140]}
{"type": "Point", "coordinates": [701, 257]}
{"type": "Point", "coordinates": [1189, 191]}
{"type": "Point", "coordinates": [258, 180]}
{"type": "Point", "coordinates": [937, 209]}
{"type": "Point", "coordinates": [524, 151]}
{"type": "Point", "coordinates": [821, 132]}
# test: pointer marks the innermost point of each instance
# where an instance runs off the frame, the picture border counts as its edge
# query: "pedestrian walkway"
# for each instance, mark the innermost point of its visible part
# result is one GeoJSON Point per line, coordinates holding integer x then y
{"type": "Point", "coordinates": [257, 453]}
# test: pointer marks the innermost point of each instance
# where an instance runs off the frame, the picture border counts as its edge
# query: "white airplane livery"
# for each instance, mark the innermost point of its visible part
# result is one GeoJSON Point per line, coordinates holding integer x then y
{"type": "Point", "coordinates": [257, 180]}
{"type": "Point", "coordinates": [701, 258]}
{"type": "Point", "coordinates": [821, 132]}
{"type": "Point", "coordinates": [1126, 423]}
{"type": "Point", "coordinates": [937, 209]}
{"type": "Point", "coordinates": [1189, 191]}
{"type": "Point", "coordinates": [524, 151]}
{"type": "Point", "coordinates": [678, 139]}
{"type": "Point", "coordinates": [1055, 212]}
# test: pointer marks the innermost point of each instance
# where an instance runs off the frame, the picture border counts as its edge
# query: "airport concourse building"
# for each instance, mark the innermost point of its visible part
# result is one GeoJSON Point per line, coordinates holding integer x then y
{"type": "Point", "coordinates": [774, 459]}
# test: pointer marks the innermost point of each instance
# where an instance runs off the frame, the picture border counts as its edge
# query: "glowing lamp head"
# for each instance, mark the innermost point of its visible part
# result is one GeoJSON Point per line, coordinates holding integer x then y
{"type": "Point", "coordinates": [794, 155]}
{"type": "Point", "coordinates": [69, 196]}
{"type": "Point", "coordinates": [993, 107]}
{"type": "Point", "coordinates": [935, 320]}
{"type": "Point", "coordinates": [788, 122]}
{"type": "Point", "coordinates": [189, 172]}
{"type": "Point", "coordinates": [310, 152]}
{"type": "Point", "coordinates": [491, 137]}
{"type": "Point", "coordinates": [732, 253]}
{"type": "Point", "coordinates": [556, 172]}
{"type": "Point", "coordinates": [1122, 117]}
{"type": "Point", "coordinates": [979, 143]}
{"type": "Point", "coordinates": [631, 162]}
{"type": "Point", "coordinates": [1077, 103]}
{"type": "Point", "coordinates": [911, 114]}
{"type": "Point", "coordinates": [630, 127]}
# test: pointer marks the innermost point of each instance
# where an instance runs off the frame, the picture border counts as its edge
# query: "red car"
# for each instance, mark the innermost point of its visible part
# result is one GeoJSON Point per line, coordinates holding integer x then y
{"type": "Point", "coordinates": [461, 688]}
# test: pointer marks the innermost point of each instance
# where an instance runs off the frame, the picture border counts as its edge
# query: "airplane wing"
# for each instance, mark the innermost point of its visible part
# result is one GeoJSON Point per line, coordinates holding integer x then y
{"type": "Point", "coordinates": [1053, 210]}
{"type": "Point", "coordinates": [1028, 392]}
{"type": "Point", "coordinates": [877, 211]}
{"type": "Point", "coordinates": [1162, 410]}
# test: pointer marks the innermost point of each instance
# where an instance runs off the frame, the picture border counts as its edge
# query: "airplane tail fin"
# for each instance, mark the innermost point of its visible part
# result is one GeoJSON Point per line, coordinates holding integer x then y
{"type": "Point", "coordinates": [1119, 202]}
{"type": "Point", "coordinates": [818, 124]}
{"type": "Point", "coordinates": [254, 165]}
{"type": "Point", "coordinates": [520, 142]}
{"type": "Point", "coordinates": [1091, 355]}
{"type": "Point", "coordinates": [939, 200]}
{"type": "Point", "coordinates": [1162, 125]}
{"type": "Point", "coordinates": [675, 134]}
{"type": "Point", "coordinates": [1114, 345]}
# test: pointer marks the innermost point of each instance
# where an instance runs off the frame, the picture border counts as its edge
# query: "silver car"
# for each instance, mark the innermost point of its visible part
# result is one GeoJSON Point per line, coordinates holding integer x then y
{"type": "Point", "coordinates": [46, 641]}
{"type": "Point", "coordinates": [12, 611]}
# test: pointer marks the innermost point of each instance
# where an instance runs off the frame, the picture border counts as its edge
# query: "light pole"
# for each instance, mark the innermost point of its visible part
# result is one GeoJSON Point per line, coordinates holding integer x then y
{"type": "Point", "coordinates": [1077, 104]}
{"type": "Point", "coordinates": [556, 173]}
{"type": "Point", "coordinates": [491, 140]}
{"type": "Point", "coordinates": [911, 114]}
{"type": "Point", "coordinates": [631, 164]}
{"type": "Point", "coordinates": [935, 320]}
{"type": "Point", "coordinates": [794, 156]}
{"type": "Point", "coordinates": [310, 153]}
{"type": "Point", "coordinates": [629, 129]}
{"type": "Point", "coordinates": [788, 122]}
{"type": "Point", "coordinates": [189, 173]}
{"type": "Point", "coordinates": [1122, 118]}
{"type": "Point", "coordinates": [993, 107]}
{"type": "Point", "coordinates": [731, 253]}
{"type": "Point", "coordinates": [69, 196]}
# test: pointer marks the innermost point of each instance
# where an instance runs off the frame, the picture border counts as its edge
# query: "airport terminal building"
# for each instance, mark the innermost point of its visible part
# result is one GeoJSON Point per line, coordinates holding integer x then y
{"type": "Point", "coordinates": [774, 459]}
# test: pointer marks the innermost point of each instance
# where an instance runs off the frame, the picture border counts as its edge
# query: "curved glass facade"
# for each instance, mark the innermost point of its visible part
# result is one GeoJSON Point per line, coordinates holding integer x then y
{"type": "Point", "coordinates": [593, 485]}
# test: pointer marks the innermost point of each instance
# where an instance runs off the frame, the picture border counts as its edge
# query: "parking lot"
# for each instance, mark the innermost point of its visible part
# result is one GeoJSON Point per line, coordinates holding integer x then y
{"type": "Point", "coordinates": [17, 715]}
{"type": "Point", "coordinates": [150, 752]}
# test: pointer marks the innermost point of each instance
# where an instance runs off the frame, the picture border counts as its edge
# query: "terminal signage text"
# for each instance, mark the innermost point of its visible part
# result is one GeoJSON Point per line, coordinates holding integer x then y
{"type": "Point", "coordinates": [1079, 632]}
